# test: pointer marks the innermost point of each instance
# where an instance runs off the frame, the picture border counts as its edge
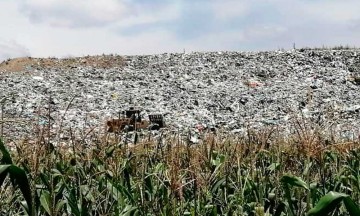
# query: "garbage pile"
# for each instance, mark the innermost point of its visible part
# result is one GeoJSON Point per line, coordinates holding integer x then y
{"type": "Point", "coordinates": [216, 90]}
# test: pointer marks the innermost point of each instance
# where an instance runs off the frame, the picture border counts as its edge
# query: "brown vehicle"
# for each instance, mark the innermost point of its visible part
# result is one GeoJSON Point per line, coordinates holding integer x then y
{"type": "Point", "coordinates": [132, 121]}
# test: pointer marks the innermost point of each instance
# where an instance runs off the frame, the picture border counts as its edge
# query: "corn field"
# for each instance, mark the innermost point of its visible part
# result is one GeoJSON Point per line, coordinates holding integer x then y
{"type": "Point", "coordinates": [223, 175]}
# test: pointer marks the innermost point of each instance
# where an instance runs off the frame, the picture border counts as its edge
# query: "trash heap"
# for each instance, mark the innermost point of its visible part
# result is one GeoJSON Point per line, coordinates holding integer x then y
{"type": "Point", "coordinates": [219, 90]}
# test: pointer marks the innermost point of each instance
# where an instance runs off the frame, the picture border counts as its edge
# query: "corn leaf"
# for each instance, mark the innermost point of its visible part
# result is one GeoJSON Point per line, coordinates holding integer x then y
{"type": "Point", "coordinates": [45, 201]}
{"type": "Point", "coordinates": [6, 158]}
{"type": "Point", "coordinates": [4, 170]}
{"type": "Point", "coordinates": [294, 181]}
{"type": "Point", "coordinates": [327, 204]}
{"type": "Point", "coordinates": [351, 206]}
{"type": "Point", "coordinates": [18, 178]}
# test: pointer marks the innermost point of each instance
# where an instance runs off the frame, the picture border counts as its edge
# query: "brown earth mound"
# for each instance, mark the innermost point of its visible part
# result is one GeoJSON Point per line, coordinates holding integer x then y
{"type": "Point", "coordinates": [29, 63]}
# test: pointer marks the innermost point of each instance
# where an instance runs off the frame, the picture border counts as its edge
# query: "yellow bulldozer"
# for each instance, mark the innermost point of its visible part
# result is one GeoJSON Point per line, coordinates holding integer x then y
{"type": "Point", "coordinates": [132, 120]}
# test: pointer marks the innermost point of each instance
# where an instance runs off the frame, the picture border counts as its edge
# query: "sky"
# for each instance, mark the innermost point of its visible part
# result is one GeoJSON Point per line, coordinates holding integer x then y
{"type": "Point", "coordinates": [65, 28]}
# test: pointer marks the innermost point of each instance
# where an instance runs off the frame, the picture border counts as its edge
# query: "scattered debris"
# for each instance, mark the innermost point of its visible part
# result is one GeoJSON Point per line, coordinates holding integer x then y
{"type": "Point", "coordinates": [224, 90]}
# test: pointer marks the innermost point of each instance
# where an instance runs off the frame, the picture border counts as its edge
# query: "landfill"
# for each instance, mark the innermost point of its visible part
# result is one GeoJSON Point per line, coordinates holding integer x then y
{"type": "Point", "coordinates": [226, 91]}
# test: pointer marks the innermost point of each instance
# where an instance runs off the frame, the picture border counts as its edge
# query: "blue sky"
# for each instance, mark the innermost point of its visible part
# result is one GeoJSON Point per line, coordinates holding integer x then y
{"type": "Point", "coordinates": [61, 28]}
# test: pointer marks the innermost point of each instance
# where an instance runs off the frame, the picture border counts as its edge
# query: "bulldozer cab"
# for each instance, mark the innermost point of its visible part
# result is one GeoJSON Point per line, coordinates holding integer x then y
{"type": "Point", "coordinates": [157, 119]}
{"type": "Point", "coordinates": [133, 114]}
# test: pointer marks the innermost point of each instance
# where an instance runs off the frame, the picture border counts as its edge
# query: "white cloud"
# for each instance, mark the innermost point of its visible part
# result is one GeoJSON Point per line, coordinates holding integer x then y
{"type": "Point", "coordinates": [95, 13]}
{"type": "Point", "coordinates": [319, 11]}
{"type": "Point", "coordinates": [333, 11]}
{"type": "Point", "coordinates": [79, 13]}
{"type": "Point", "coordinates": [12, 49]}
{"type": "Point", "coordinates": [96, 27]}
{"type": "Point", "coordinates": [263, 32]}
{"type": "Point", "coordinates": [217, 41]}
{"type": "Point", "coordinates": [228, 9]}
{"type": "Point", "coordinates": [143, 15]}
{"type": "Point", "coordinates": [47, 41]}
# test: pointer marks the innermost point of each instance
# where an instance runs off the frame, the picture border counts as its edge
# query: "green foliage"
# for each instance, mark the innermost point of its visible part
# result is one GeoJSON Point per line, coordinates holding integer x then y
{"type": "Point", "coordinates": [294, 181]}
{"type": "Point", "coordinates": [331, 201]}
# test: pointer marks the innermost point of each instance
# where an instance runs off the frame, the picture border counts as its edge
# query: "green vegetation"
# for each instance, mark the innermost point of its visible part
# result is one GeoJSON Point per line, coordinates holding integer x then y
{"type": "Point", "coordinates": [260, 174]}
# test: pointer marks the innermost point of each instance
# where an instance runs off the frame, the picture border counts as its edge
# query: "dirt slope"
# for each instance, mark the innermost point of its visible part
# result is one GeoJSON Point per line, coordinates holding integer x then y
{"type": "Point", "coordinates": [29, 63]}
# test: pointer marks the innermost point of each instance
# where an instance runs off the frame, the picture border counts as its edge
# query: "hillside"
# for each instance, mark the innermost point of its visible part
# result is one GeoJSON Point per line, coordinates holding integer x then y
{"type": "Point", "coordinates": [227, 90]}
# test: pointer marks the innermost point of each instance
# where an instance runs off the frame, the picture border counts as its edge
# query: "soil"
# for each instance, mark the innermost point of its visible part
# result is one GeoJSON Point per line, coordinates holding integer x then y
{"type": "Point", "coordinates": [29, 63]}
